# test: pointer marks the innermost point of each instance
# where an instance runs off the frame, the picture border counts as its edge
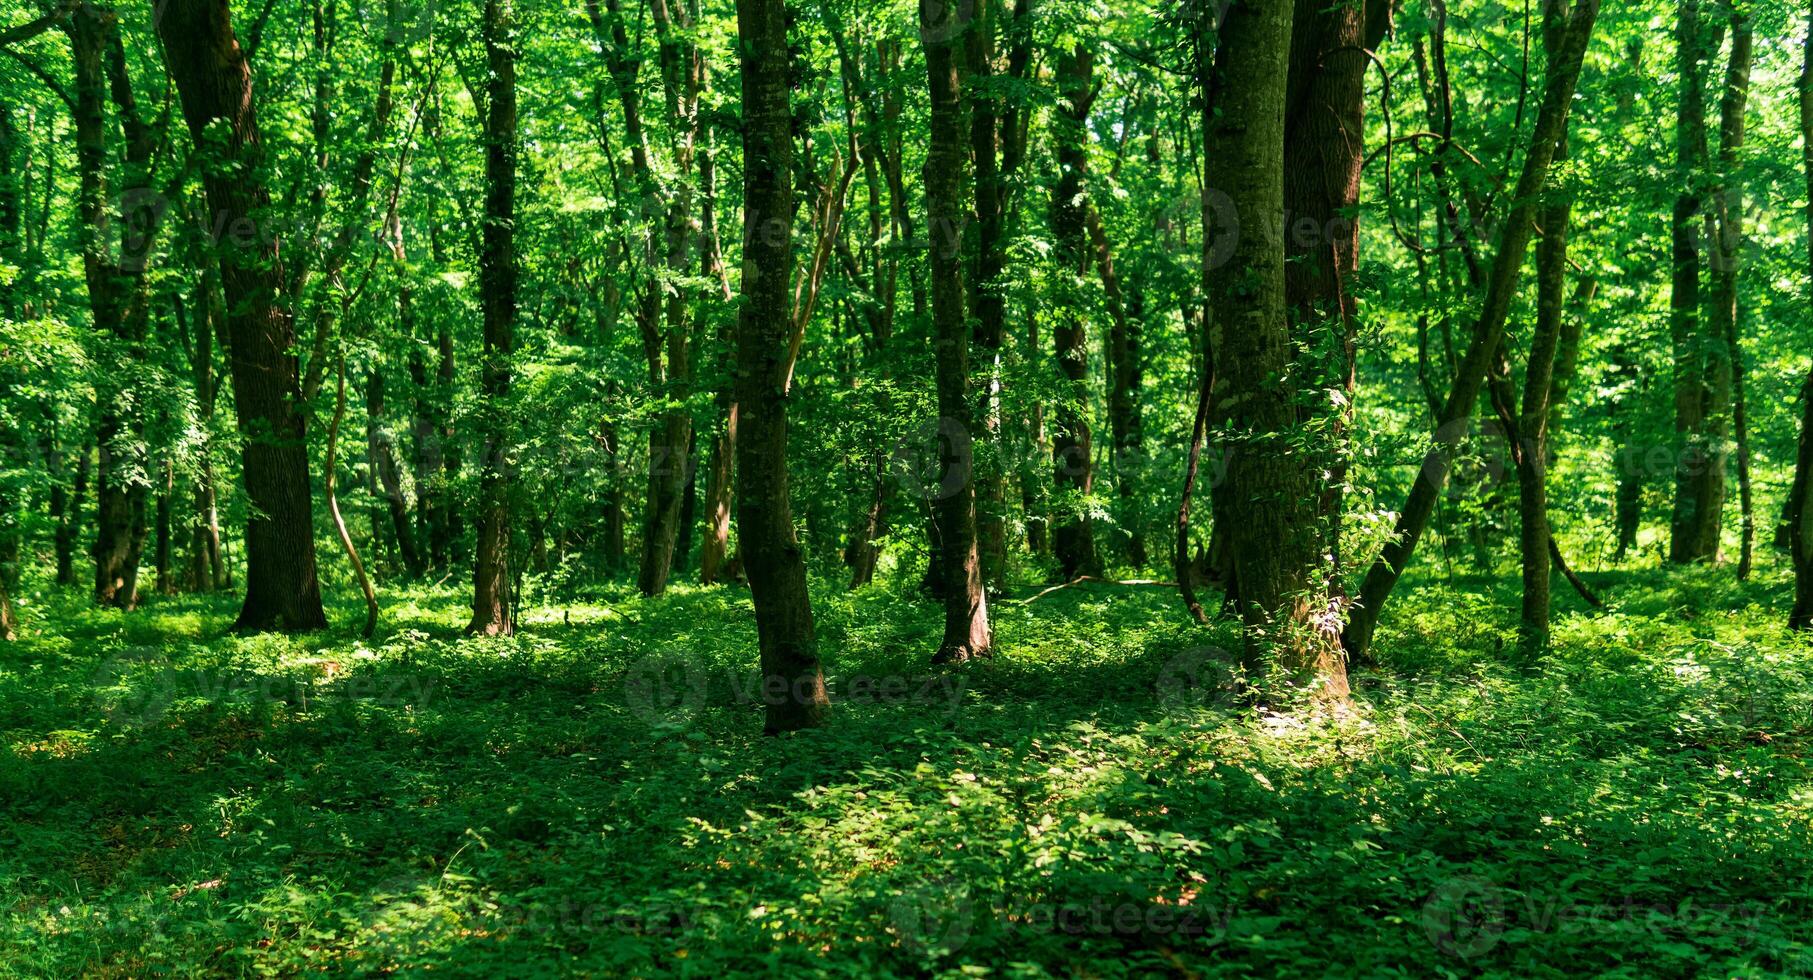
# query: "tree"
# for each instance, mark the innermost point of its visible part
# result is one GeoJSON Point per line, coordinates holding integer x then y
{"type": "Point", "coordinates": [1702, 373]}
{"type": "Point", "coordinates": [215, 82]}
{"type": "Point", "coordinates": [1073, 538]}
{"type": "Point", "coordinates": [1482, 351]}
{"type": "Point", "coordinates": [792, 681]}
{"type": "Point", "coordinates": [1800, 506]}
{"type": "Point", "coordinates": [967, 632]}
{"type": "Point", "coordinates": [1271, 493]}
{"type": "Point", "coordinates": [493, 606]}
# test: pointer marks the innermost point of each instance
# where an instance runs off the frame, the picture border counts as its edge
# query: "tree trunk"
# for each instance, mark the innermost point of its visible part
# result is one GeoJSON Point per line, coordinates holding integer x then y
{"type": "Point", "coordinates": [1273, 521]}
{"type": "Point", "coordinates": [215, 82]}
{"type": "Point", "coordinates": [1470, 376]}
{"type": "Point", "coordinates": [382, 458]}
{"type": "Point", "coordinates": [1539, 384]}
{"type": "Point", "coordinates": [1701, 375]}
{"type": "Point", "coordinates": [493, 606]}
{"type": "Point", "coordinates": [1800, 527]}
{"type": "Point", "coordinates": [1324, 137]}
{"type": "Point", "coordinates": [1727, 258]}
{"type": "Point", "coordinates": [792, 681]}
{"type": "Point", "coordinates": [967, 632]}
{"type": "Point", "coordinates": [1124, 381]}
{"type": "Point", "coordinates": [988, 297]}
{"type": "Point", "coordinates": [1073, 538]}
{"type": "Point", "coordinates": [113, 279]}
{"type": "Point", "coordinates": [66, 511]}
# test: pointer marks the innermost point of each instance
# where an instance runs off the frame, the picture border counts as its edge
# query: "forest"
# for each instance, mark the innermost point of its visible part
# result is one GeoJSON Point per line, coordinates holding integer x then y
{"type": "Point", "coordinates": [959, 488]}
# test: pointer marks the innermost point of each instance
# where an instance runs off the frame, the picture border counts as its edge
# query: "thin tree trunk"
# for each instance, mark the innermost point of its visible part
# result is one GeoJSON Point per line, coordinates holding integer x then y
{"type": "Point", "coordinates": [1470, 377]}
{"type": "Point", "coordinates": [493, 606]}
{"type": "Point", "coordinates": [1699, 472]}
{"type": "Point", "coordinates": [1727, 258]}
{"type": "Point", "coordinates": [1532, 457]}
{"type": "Point", "coordinates": [215, 82]}
{"type": "Point", "coordinates": [114, 283]}
{"type": "Point", "coordinates": [382, 458]}
{"type": "Point", "coordinates": [1124, 382]}
{"type": "Point", "coordinates": [792, 681]}
{"type": "Point", "coordinates": [330, 484]}
{"type": "Point", "coordinates": [166, 572]}
{"type": "Point", "coordinates": [1072, 453]}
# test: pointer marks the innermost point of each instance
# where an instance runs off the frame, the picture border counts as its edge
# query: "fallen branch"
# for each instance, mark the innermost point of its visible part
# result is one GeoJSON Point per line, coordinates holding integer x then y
{"type": "Point", "coordinates": [1079, 580]}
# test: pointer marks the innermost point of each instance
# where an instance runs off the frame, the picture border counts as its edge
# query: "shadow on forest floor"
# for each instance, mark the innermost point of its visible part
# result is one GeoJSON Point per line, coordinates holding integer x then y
{"type": "Point", "coordinates": [593, 796]}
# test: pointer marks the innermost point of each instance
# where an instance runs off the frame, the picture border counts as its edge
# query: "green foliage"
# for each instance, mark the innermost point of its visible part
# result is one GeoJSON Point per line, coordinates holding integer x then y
{"type": "Point", "coordinates": [591, 797]}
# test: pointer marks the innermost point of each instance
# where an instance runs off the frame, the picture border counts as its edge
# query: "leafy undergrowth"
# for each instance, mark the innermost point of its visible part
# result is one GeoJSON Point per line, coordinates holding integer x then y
{"type": "Point", "coordinates": [593, 797]}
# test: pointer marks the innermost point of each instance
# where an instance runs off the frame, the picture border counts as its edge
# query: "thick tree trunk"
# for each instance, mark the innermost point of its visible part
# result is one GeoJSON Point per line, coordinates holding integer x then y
{"type": "Point", "coordinates": [1273, 524]}
{"type": "Point", "coordinates": [1073, 537]}
{"type": "Point", "coordinates": [967, 632]}
{"type": "Point", "coordinates": [493, 606]}
{"type": "Point", "coordinates": [215, 82]}
{"type": "Point", "coordinates": [1800, 510]}
{"type": "Point", "coordinates": [1324, 137]}
{"type": "Point", "coordinates": [792, 682]}
{"type": "Point", "coordinates": [1701, 374]}
{"type": "Point", "coordinates": [1470, 376]}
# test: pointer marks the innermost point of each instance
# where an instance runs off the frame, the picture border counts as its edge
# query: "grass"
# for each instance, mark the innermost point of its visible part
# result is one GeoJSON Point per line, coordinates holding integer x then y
{"type": "Point", "coordinates": [593, 798]}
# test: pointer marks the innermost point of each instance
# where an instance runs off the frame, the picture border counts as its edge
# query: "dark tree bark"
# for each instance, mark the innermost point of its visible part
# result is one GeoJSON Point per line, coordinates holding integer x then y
{"type": "Point", "coordinates": [1324, 137]}
{"type": "Point", "coordinates": [1073, 537]}
{"type": "Point", "coordinates": [207, 565]}
{"type": "Point", "coordinates": [1482, 351]}
{"type": "Point", "coordinates": [664, 326]}
{"type": "Point", "coordinates": [1800, 509]}
{"type": "Point", "coordinates": [792, 681]}
{"type": "Point", "coordinates": [215, 82]}
{"type": "Point", "coordinates": [1727, 258]}
{"type": "Point", "coordinates": [65, 503]}
{"type": "Point", "coordinates": [1539, 384]}
{"type": "Point", "coordinates": [1701, 371]}
{"type": "Point", "coordinates": [493, 606]}
{"type": "Point", "coordinates": [988, 297]}
{"type": "Point", "coordinates": [381, 454]}
{"type": "Point", "coordinates": [113, 255]}
{"type": "Point", "coordinates": [967, 632]}
{"type": "Point", "coordinates": [1272, 516]}
{"type": "Point", "coordinates": [1125, 379]}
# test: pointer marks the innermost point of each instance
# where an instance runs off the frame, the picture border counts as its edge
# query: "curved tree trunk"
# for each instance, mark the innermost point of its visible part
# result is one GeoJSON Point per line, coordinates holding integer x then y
{"type": "Point", "coordinates": [1482, 350]}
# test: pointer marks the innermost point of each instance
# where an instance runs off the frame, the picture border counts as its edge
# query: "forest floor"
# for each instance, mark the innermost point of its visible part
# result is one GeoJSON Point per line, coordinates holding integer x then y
{"type": "Point", "coordinates": [595, 798]}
